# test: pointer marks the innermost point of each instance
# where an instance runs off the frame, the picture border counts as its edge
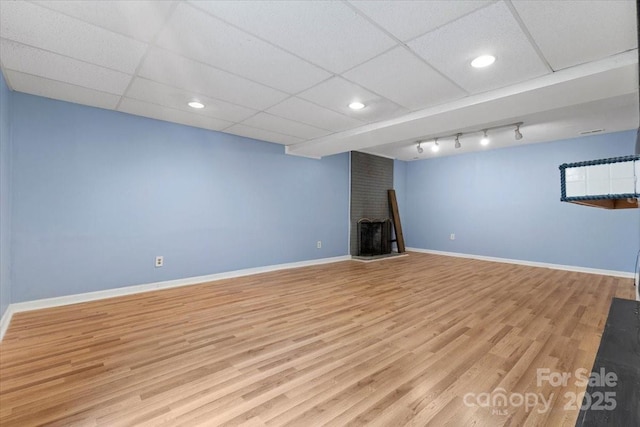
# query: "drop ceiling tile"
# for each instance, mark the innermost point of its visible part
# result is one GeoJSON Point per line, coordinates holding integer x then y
{"type": "Point", "coordinates": [45, 29]}
{"type": "Point", "coordinates": [138, 19]}
{"type": "Point", "coordinates": [575, 32]}
{"type": "Point", "coordinates": [53, 89]}
{"type": "Point", "coordinates": [288, 127]}
{"type": "Point", "coordinates": [19, 57]}
{"type": "Point", "coordinates": [145, 109]}
{"type": "Point", "coordinates": [166, 67]}
{"type": "Point", "coordinates": [262, 135]}
{"type": "Point", "coordinates": [337, 93]}
{"type": "Point", "coordinates": [407, 19]}
{"type": "Point", "coordinates": [491, 30]}
{"type": "Point", "coordinates": [306, 112]}
{"type": "Point", "coordinates": [404, 79]}
{"type": "Point", "coordinates": [327, 33]}
{"type": "Point", "coordinates": [195, 34]}
{"type": "Point", "coordinates": [167, 96]}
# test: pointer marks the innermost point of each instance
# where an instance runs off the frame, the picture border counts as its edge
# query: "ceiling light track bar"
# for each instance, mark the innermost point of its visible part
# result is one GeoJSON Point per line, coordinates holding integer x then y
{"type": "Point", "coordinates": [487, 129]}
{"type": "Point", "coordinates": [484, 141]}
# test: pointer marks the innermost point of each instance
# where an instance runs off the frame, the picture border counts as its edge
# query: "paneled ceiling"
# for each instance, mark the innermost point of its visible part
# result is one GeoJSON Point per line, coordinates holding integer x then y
{"type": "Point", "coordinates": [286, 71]}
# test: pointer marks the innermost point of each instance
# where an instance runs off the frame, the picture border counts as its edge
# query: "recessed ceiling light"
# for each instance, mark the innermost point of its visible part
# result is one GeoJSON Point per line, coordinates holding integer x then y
{"type": "Point", "coordinates": [195, 104]}
{"type": "Point", "coordinates": [356, 105]}
{"type": "Point", "coordinates": [483, 61]}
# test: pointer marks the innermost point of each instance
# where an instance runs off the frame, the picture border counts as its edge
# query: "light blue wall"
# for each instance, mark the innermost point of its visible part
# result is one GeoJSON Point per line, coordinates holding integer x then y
{"type": "Point", "coordinates": [506, 203]}
{"type": "Point", "coordinates": [98, 194]}
{"type": "Point", "coordinates": [5, 197]}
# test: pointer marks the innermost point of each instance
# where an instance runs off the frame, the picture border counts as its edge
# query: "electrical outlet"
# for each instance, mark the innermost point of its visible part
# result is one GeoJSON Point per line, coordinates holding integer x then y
{"type": "Point", "coordinates": [452, 236]}
{"type": "Point", "coordinates": [159, 261]}
{"type": "Point", "coordinates": [319, 244]}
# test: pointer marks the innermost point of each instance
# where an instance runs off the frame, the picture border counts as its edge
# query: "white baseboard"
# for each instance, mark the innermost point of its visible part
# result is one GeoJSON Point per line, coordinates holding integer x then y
{"type": "Point", "coordinates": [128, 290]}
{"type": "Point", "coordinates": [6, 319]}
{"type": "Point", "coordinates": [625, 274]}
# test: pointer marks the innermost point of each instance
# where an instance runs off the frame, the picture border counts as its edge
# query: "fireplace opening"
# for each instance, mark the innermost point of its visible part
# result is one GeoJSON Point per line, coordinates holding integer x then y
{"type": "Point", "coordinates": [374, 237]}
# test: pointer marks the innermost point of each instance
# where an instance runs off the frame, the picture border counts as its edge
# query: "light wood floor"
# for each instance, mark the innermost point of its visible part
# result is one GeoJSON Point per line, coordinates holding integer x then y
{"type": "Point", "coordinates": [395, 342]}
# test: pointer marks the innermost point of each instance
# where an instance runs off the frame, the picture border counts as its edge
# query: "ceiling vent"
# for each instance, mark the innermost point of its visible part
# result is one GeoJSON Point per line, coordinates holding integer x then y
{"type": "Point", "coordinates": [589, 132]}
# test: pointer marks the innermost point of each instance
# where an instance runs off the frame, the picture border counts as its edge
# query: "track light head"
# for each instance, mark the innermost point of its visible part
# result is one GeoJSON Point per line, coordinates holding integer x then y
{"type": "Point", "coordinates": [485, 139]}
{"type": "Point", "coordinates": [458, 145]}
{"type": "Point", "coordinates": [419, 148]}
{"type": "Point", "coordinates": [518, 133]}
{"type": "Point", "coordinates": [436, 147]}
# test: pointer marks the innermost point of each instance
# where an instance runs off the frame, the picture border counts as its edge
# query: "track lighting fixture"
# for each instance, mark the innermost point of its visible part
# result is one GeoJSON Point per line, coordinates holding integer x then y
{"type": "Point", "coordinates": [485, 138]}
{"type": "Point", "coordinates": [518, 133]}
{"type": "Point", "coordinates": [436, 146]}
{"type": "Point", "coordinates": [484, 141]}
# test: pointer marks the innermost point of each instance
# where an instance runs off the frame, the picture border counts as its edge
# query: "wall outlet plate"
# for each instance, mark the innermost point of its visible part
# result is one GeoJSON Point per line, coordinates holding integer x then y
{"type": "Point", "coordinates": [452, 236]}
{"type": "Point", "coordinates": [159, 261]}
{"type": "Point", "coordinates": [319, 244]}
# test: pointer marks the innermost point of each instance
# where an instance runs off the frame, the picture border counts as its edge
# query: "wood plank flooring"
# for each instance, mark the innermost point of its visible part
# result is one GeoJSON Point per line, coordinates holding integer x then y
{"type": "Point", "coordinates": [404, 341]}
